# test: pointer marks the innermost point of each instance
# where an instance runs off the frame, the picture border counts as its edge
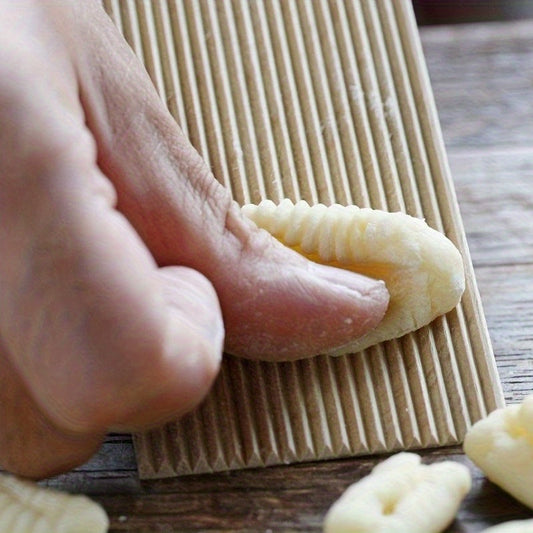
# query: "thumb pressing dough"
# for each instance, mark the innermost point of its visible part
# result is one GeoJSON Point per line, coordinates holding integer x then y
{"type": "Point", "coordinates": [421, 268]}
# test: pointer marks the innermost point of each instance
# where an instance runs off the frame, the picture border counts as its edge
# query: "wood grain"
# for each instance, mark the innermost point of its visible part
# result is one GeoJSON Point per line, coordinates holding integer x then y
{"type": "Point", "coordinates": [495, 192]}
{"type": "Point", "coordinates": [483, 88]}
{"type": "Point", "coordinates": [482, 77]}
{"type": "Point", "coordinates": [293, 498]}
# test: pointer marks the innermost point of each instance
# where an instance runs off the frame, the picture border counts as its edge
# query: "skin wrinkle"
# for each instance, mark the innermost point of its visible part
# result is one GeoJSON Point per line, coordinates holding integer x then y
{"type": "Point", "coordinates": [157, 153]}
{"type": "Point", "coordinates": [32, 333]}
{"type": "Point", "coordinates": [139, 119]}
{"type": "Point", "coordinates": [202, 179]}
{"type": "Point", "coordinates": [22, 277]}
{"type": "Point", "coordinates": [92, 67]}
{"type": "Point", "coordinates": [246, 239]}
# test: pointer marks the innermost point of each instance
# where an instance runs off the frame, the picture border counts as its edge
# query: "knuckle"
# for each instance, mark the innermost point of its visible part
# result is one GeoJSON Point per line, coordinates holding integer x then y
{"type": "Point", "coordinates": [252, 241]}
{"type": "Point", "coordinates": [46, 123]}
{"type": "Point", "coordinates": [203, 188]}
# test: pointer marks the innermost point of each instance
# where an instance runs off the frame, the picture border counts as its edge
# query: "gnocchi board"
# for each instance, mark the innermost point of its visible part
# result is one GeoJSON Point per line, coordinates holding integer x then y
{"type": "Point", "coordinates": [326, 101]}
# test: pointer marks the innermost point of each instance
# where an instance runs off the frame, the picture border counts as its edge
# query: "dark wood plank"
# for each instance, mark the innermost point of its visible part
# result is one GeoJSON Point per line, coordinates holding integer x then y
{"type": "Point", "coordinates": [482, 79]}
{"type": "Point", "coordinates": [291, 498]}
{"type": "Point", "coordinates": [495, 193]}
{"type": "Point", "coordinates": [508, 305]}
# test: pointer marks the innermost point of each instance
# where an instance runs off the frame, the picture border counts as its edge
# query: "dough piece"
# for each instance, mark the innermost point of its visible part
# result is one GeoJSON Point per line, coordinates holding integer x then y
{"type": "Point", "coordinates": [401, 495]}
{"type": "Point", "coordinates": [422, 269]}
{"type": "Point", "coordinates": [516, 526]}
{"type": "Point", "coordinates": [25, 507]}
{"type": "Point", "coordinates": [502, 446]}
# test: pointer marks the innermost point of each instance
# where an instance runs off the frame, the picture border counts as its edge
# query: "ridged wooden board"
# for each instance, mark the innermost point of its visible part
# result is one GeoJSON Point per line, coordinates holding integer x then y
{"type": "Point", "coordinates": [326, 101]}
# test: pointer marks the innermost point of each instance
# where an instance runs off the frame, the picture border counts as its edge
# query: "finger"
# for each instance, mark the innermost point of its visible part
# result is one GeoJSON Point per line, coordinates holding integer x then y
{"type": "Point", "coordinates": [92, 325]}
{"type": "Point", "coordinates": [35, 448]}
{"type": "Point", "coordinates": [196, 339]}
{"type": "Point", "coordinates": [276, 305]}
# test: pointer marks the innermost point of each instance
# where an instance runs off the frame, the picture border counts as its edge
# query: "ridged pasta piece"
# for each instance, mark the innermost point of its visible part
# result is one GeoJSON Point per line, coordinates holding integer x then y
{"type": "Point", "coordinates": [25, 507]}
{"type": "Point", "coordinates": [401, 495]}
{"type": "Point", "coordinates": [501, 445]}
{"type": "Point", "coordinates": [422, 269]}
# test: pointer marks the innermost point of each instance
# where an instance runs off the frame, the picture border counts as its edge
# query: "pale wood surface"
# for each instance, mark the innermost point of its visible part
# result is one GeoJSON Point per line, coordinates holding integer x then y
{"type": "Point", "coordinates": [482, 77]}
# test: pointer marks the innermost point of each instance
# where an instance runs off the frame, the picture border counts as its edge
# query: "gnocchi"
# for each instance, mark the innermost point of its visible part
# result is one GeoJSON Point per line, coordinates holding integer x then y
{"type": "Point", "coordinates": [502, 446]}
{"type": "Point", "coordinates": [25, 507]}
{"type": "Point", "coordinates": [422, 269]}
{"type": "Point", "coordinates": [401, 495]}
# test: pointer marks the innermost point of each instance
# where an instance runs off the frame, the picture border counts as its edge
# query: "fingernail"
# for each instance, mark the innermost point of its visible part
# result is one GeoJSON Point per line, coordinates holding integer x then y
{"type": "Point", "coordinates": [362, 285]}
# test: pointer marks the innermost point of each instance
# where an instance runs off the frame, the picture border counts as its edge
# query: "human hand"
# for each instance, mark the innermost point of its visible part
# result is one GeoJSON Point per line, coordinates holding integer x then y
{"type": "Point", "coordinates": [121, 253]}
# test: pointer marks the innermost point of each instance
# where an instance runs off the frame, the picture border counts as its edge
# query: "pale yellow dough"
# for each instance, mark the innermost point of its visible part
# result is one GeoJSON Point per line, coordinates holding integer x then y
{"type": "Point", "coordinates": [516, 526]}
{"type": "Point", "coordinates": [502, 446]}
{"type": "Point", "coordinates": [422, 269]}
{"type": "Point", "coordinates": [401, 495]}
{"type": "Point", "coordinates": [25, 507]}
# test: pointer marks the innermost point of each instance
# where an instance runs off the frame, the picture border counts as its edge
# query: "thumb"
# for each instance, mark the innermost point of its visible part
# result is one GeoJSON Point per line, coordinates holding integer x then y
{"type": "Point", "coordinates": [276, 305]}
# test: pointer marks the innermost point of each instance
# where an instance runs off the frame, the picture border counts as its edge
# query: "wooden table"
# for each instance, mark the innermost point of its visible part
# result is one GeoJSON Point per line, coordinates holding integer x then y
{"type": "Point", "coordinates": [482, 77]}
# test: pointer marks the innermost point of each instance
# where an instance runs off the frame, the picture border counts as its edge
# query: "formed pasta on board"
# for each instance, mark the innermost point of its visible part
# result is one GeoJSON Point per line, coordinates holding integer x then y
{"type": "Point", "coordinates": [422, 269]}
{"type": "Point", "coordinates": [25, 507]}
